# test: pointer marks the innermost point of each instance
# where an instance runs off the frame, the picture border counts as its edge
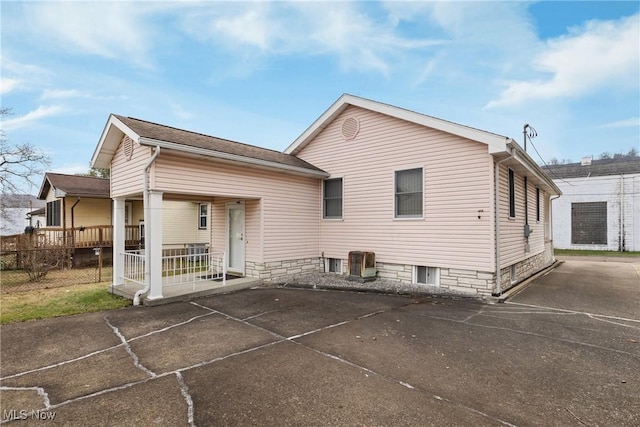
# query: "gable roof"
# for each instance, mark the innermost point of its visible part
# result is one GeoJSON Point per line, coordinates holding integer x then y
{"type": "Point", "coordinates": [157, 135]}
{"type": "Point", "coordinates": [602, 167]}
{"type": "Point", "coordinates": [75, 186]}
{"type": "Point", "coordinates": [497, 143]}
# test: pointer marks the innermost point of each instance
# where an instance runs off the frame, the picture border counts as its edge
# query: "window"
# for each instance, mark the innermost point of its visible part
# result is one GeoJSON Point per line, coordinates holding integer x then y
{"type": "Point", "coordinates": [537, 204]}
{"type": "Point", "coordinates": [589, 223]}
{"type": "Point", "coordinates": [513, 275]}
{"type": "Point", "coordinates": [333, 265]}
{"type": "Point", "coordinates": [53, 213]}
{"type": "Point", "coordinates": [426, 275]}
{"type": "Point", "coordinates": [408, 193]}
{"type": "Point", "coordinates": [203, 210]}
{"type": "Point", "coordinates": [332, 198]}
{"type": "Point", "coordinates": [512, 194]}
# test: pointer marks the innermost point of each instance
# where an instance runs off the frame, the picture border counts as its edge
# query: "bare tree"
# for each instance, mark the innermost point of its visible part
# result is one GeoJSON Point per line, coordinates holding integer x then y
{"type": "Point", "coordinates": [20, 164]}
{"type": "Point", "coordinates": [99, 172]}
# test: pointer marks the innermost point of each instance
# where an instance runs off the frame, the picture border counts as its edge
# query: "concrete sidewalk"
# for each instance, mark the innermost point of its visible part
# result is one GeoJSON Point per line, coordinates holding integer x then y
{"type": "Point", "coordinates": [302, 357]}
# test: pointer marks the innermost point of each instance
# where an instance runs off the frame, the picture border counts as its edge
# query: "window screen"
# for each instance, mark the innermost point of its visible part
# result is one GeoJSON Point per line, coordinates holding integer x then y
{"type": "Point", "coordinates": [332, 198]}
{"type": "Point", "coordinates": [408, 193]}
{"type": "Point", "coordinates": [589, 223]}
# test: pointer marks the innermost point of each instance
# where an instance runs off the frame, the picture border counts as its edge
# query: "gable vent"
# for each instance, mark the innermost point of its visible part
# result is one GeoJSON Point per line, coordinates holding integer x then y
{"type": "Point", "coordinates": [127, 146]}
{"type": "Point", "coordinates": [350, 128]}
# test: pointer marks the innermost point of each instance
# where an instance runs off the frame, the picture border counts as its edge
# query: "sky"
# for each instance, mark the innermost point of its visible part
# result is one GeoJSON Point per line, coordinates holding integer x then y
{"type": "Point", "coordinates": [262, 72]}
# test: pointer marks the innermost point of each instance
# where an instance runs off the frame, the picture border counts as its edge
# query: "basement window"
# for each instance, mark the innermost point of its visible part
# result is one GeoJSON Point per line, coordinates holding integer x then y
{"type": "Point", "coordinates": [333, 265]}
{"type": "Point", "coordinates": [426, 275]}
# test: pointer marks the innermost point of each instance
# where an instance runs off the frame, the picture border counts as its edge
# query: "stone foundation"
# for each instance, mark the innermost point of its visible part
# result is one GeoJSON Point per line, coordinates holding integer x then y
{"type": "Point", "coordinates": [268, 271]}
{"type": "Point", "coordinates": [527, 267]}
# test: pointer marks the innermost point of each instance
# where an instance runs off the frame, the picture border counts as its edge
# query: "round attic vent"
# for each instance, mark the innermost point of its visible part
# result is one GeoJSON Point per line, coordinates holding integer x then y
{"type": "Point", "coordinates": [127, 146]}
{"type": "Point", "coordinates": [350, 128]}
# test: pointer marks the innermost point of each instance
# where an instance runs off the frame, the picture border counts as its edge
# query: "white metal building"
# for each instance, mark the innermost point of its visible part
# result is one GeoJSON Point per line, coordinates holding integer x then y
{"type": "Point", "coordinates": [600, 204]}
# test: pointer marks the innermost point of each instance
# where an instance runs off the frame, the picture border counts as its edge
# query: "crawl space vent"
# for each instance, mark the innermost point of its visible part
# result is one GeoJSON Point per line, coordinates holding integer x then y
{"type": "Point", "coordinates": [350, 128]}
{"type": "Point", "coordinates": [127, 145]}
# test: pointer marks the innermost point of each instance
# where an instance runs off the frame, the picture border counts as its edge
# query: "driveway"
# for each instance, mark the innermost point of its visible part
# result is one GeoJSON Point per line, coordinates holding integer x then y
{"type": "Point", "coordinates": [305, 357]}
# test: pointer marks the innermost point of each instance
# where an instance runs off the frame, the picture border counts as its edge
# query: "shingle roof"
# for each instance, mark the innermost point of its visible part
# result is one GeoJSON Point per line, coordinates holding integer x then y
{"type": "Point", "coordinates": [602, 167]}
{"type": "Point", "coordinates": [193, 139]}
{"type": "Point", "coordinates": [76, 185]}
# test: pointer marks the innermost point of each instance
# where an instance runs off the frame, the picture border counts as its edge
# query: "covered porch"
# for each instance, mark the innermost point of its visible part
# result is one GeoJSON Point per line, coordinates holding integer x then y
{"type": "Point", "coordinates": [162, 271]}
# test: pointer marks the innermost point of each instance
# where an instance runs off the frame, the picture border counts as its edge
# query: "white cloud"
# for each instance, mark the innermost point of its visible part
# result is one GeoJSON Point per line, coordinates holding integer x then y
{"type": "Point", "coordinates": [340, 29]}
{"type": "Point", "coordinates": [9, 85]}
{"type": "Point", "coordinates": [633, 122]}
{"type": "Point", "coordinates": [74, 93]}
{"type": "Point", "coordinates": [108, 29]}
{"type": "Point", "coordinates": [71, 169]}
{"type": "Point", "coordinates": [31, 117]}
{"type": "Point", "coordinates": [600, 54]}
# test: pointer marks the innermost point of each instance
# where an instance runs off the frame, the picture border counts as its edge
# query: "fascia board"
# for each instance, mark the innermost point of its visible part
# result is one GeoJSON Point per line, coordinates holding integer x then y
{"type": "Point", "coordinates": [496, 143]}
{"type": "Point", "coordinates": [231, 157]}
{"type": "Point", "coordinates": [108, 143]}
{"type": "Point", "coordinates": [525, 160]}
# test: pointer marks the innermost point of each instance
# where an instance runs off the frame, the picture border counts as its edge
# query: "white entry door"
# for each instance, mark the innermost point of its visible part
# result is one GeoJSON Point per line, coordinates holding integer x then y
{"type": "Point", "coordinates": [235, 238]}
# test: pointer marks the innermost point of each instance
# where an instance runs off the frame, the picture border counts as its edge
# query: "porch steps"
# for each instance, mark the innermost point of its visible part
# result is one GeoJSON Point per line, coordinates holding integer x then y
{"type": "Point", "coordinates": [185, 293]}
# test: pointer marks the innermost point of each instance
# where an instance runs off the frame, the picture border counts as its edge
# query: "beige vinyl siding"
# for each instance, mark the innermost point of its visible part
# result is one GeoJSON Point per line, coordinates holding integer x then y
{"type": "Point", "coordinates": [458, 176]}
{"type": "Point", "coordinates": [289, 203]}
{"type": "Point", "coordinates": [126, 175]}
{"type": "Point", "coordinates": [512, 241]}
{"type": "Point", "coordinates": [88, 212]}
{"type": "Point", "coordinates": [180, 223]}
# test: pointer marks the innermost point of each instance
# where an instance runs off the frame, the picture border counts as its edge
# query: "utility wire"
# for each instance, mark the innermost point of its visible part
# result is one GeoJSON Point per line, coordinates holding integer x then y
{"type": "Point", "coordinates": [545, 163]}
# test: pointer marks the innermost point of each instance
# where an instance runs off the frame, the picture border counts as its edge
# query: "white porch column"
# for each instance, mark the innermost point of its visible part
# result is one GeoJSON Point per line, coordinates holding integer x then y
{"type": "Point", "coordinates": [118, 240]}
{"type": "Point", "coordinates": [153, 244]}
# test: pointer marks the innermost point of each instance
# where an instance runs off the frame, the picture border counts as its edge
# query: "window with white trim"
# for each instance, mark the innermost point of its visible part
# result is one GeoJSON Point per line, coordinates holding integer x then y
{"type": "Point", "coordinates": [203, 214]}
{"type": "Point", "coordinates": [332, 198]}
{"type": "Point", "coordinates": [426, 275]}
{"type": "Point", "coordinates": [408, 193]}
{"type": "Point", "coordinates": [537, 204]}
{"type": "Point", "coordinates": [333, 265]}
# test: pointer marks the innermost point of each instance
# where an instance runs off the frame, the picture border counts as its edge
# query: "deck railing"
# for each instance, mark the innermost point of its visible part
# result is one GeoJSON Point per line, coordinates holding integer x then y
{"type": "Point", "coordinates": [178, 268]}
{"type": "Point", "coordinates": [78, 237]}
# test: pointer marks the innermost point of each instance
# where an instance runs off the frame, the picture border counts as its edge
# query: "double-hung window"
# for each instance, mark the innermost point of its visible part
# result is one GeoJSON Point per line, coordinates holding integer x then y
{"type": "Point", "coordinates": [203, 210]}
{"type": "Point", "coordinates": [408, 193]}
{"type": "Point", "coordinates": [332, 198]}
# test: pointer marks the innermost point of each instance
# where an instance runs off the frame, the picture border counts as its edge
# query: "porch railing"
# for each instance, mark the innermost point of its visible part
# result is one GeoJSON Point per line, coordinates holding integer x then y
{"type": "Point", "coordinates": [178, 268]}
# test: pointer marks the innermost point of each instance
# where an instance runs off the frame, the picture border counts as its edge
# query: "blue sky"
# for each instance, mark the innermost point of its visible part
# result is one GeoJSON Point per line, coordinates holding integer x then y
{"type": "Point", "coordinates": [262, 72]}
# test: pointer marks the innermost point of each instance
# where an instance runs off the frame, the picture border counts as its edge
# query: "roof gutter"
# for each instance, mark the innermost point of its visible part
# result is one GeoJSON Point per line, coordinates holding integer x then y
{"type": "Point", "coordinates": [147, 231]}
{"type": "Point", "coordinates": [496, 215]}
{"type": "Point", "coordinates": [232, 157]}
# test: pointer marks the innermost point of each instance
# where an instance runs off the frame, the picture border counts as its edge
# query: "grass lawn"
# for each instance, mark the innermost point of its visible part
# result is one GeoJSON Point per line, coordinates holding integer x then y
{"type": "Point", "coordinates": [55, 302]}
{"type": "Point", "coordinates": [595, 253]}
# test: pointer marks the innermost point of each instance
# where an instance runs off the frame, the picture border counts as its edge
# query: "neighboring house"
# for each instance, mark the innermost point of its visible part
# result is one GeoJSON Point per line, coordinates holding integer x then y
{"type": "Point", "coordinates": [37, 218]}
{"type": "Point", "coordinates": [417, 191]}
{"type": "Point", "coordinates": [15, 212]}
{"type": "Point", "coordinates": [83, 204]}
{"type": "Point", "coordinates": [600, 206]}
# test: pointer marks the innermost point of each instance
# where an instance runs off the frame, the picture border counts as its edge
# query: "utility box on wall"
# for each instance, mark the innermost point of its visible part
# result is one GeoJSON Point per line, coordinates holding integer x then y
{"type": "Point", "coordinates": [362, 266]}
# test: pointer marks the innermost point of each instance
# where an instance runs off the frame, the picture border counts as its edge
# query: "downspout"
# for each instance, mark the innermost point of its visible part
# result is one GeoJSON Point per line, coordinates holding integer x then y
{"type": "Point", "coordinates": [497, 220]}
{"type": "Point", "coordinates": [147, 229]}
{"type": "Point", "coordinates": [73, 226]}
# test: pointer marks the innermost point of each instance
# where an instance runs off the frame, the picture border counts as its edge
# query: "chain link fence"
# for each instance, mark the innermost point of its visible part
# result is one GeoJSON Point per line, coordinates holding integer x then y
{"type": "Point", "coordinates": [55, 266]}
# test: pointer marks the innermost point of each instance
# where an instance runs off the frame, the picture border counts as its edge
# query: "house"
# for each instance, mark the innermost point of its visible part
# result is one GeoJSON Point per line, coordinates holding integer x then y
{"type": "Point", "coordinates": [417, 192]}
{"type": "Point", "coordinates": [600, 207]}
{"type": "Point", "coordinates": [78, 213]}
{"type": "Point", "coordinates": [15, 212]}
{"type": "Point", "coordinates": [37, 218]}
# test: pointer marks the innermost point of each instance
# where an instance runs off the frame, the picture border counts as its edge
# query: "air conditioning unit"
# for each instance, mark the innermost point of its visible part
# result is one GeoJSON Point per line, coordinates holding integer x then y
{"type": "Point", "coordinates": [362, 266]}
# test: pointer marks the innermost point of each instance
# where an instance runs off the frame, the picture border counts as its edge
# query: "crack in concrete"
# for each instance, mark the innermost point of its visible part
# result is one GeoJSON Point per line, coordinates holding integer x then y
{"type": "Point", "coordinates": [157, 331]}
{"type": "Point", "coordinates": [127, 347]}
{"type": "Point", "coordinates": [184, 389]}
{"type": "Point", "coordinates": [41, 392]}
